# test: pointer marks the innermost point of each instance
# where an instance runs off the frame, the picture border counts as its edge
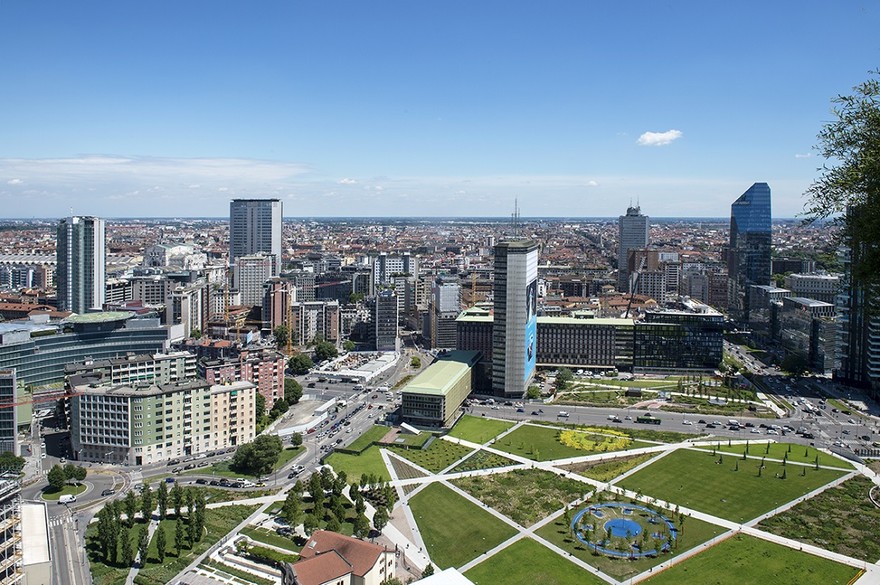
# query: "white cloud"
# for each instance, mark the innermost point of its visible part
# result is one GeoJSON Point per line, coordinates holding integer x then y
{"type": "Point", "coordinates": [14, 182]}
{"type": "Point", "coordinates": [592, 183]}
{"type": "Point", "coordinates": [805, 155]}
{"type": "Point", "coordinates": [659, 138]}
{"type": "Point", "coordinates": [347, 182]}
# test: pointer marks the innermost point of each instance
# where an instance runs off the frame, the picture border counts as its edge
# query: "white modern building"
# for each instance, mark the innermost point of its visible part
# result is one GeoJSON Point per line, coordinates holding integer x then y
{"type": "Point", "coordinates": [251, 274]}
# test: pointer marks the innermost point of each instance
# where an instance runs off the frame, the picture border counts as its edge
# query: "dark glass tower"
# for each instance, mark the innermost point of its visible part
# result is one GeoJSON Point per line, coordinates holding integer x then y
{"type": "Point", "coordinates": [748, 257]}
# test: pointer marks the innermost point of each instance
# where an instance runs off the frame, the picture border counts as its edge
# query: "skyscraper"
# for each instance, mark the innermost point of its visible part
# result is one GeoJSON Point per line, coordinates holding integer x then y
{"type": "Point", "coordinates": [632, 235]}
{"type": "Point", "coordinates": [514, 331]}
{"type": "Point", "coordinates": [81, 256]}
{"type": "Point", "coordinates": [748, 256]}
{"type": "Point", "coordinates": [255, 226]}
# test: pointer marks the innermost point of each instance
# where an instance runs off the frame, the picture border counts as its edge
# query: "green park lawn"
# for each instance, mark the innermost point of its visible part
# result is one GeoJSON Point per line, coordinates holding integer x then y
{"type": "Point", "coordinates": [540, 443]}
{"type": "Point", "coordinates": [454, 529]}
{"type": "Point", "coordinates": [695, 479]}
{"type": "Point", "coordinates": [796, 453]}
{"type": "Point", "coordinates": [266, 536]}
{"type": "Point", "coordinates": [523, 495]}
{"type": "Point", "coordinates": [438, 456]}
{"type": "Point", "coordinates": [694, 532]}
{"type": "Point", "coordinates": [224, 469]}
{"type": "Point", "coordinates": [370, 436]}
{"type": "Point", "coordinates": [744, 559]}
{"type": "Point", "coordinates": [477, 429]}
{"type": "Point", "coordinates": [354, 466]}
{"type": "Point", "coordinates": [482, 460]}
{"type": "Point", "coordinates": [608, 470]}
{"type": "Point", "coordinates": [544, 566]}
{"type": "Point", "coordinates": [67, 490]}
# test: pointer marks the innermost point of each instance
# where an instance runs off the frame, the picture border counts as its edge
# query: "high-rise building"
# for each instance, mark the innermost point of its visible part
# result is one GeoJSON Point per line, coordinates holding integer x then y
{"type": "Point", "coordinates": [255, 226]}
{"type": "Point", "coordinates": [8, 420]}
{"type": "Point", "coordinates": [386, 267]}
{"type": "Point", "coordinates": [632, 234]}
{"type": "Point", "coordinates": [81, 252]}
{"type": "Point", "coordinates": [514, 333]}
{"type": "Point", "coordinates": [251, 274]}
{"type": "Point", "coordinates": [385, 317]}
{"type": "Point", "coordinates": [748, 256]}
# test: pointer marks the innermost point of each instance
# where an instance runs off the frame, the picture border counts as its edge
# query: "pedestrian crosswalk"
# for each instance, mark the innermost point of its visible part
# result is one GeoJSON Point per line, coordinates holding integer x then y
{"type": "Point", "coordinates": [57, 521]}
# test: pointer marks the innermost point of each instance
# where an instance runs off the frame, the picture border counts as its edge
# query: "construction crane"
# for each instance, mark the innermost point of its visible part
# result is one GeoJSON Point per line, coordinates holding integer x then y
{"type": "Point", "coordinates": [635, 285]}
{"type": "Point", "coordinates": [289, 319]}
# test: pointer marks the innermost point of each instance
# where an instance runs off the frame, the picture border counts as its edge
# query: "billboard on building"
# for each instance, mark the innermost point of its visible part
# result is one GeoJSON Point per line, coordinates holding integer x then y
{"type": "Point", "coordinates": [531, 327]}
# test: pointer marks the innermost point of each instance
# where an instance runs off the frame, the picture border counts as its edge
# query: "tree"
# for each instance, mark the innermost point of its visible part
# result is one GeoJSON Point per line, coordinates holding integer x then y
{"type": "Point", "coordinates": [259, 456]}
{"type": "Point", "coordinates": [56, 478]}
{"type": "Point", "coordinates": [852, 185]}
{"type": "Point", "coordinates": [293, 391]}
{"type": "Point", "coordinates": [130, 504]}
{"type": "Point", "coordinates": [282, 335]}
{"type": "Point", "coordinates": [794, 362]}
{"type": "Point", "coordinates": [143, 543]}
{"type": "Point", "coordinates": [291, 509]}
{"type": "Point", "coordinates": [300, 364]}
{"type": "Point", "coordinates": [361, 526]}
{"type": "Point", "coordinates": [333, 524]}
{"type": "Point", "coordinates": [9, 462]}
{"type": "Point", "coordinates": [178, 535]}
{"type": "Point", "coordinates": [310, 524]}
{"type": "Point", "coordinates": [127, 551]}
{"type": "Point", "coordinates": [563, 378]}
{"type": "Point", "coordinates": [147, 502]}
{"type": "Point", "coordinates": [533, 392]}
{"type": "Point", "coordinates": [415, 362]}
{"type": "Point", "coordinates": [429, 570]}
{"type": "Point", "coordinates": [380, 518]}
{"type": "Point", "coordinates": [162, 500]}
{"type": "Point", "coordinates": [348, 345]}
{"type": "Point", "coordinates": [324, 350]}
{"type": "Point", "coordinates": [278, 409]}
{"type": "Point", "coordinates": [177, 498]}
{"type": "Point", "coordinates": [259, 406]}
{"type": "Point", "coordinates": [161, 544]}
{"type": "Point", "coordinates": [296, 439]}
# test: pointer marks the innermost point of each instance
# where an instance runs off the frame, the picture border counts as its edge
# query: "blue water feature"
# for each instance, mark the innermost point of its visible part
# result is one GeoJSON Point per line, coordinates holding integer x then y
{"type": "Point", "coordinates": [621, 528]}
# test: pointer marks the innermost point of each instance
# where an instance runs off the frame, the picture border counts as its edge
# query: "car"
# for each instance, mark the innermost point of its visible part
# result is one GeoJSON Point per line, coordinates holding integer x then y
{"type": "Point", "coordinates": [173, 462]}
{"type": "Point", "coordinates": [107, 492]}
{"type": "Point", "coordinates": [845, 431]}
{"type": "Point", "coordinates": [214, 482]}
{"type": "Point", "coordinates": [851, 421]}
{"type": "Point", "coordinates": [749, 425]}
{"type": "Point", "coordinates": [535, 413]}
{"type": "Point", "coordinates": [203, 464]}
{"type": "Point", "coordinates": [170, 480]}
{"type": "Point", "coordinates": [520, 410]}
{"type": "Point", "coordinates": [772, 432]}
{"type": "Point", "coordinates": [202, 481]}
{"type": "Point", "coordinates": [711, 426]}
{"type": "Point", "coordinates": [43, 455]}
{"type": "Point", "coordinates": [865, 437]}
{"type": "Point", "coordinates": [755, 431]}
{"type": "Point", "coordinates": [176, 470]}
{"type": "Point", "coordinates": [701, 422]}
{"type": "Point", "coordinates": [687, 422]}
{"type": "Point", "coordinates": [189, 466]}
{"type": "Point", "coordinates": [338, 441]}
{"type": "Point", "coordinates": [370, 415]}
{"type": "Point", "coordinates": [62, 460]}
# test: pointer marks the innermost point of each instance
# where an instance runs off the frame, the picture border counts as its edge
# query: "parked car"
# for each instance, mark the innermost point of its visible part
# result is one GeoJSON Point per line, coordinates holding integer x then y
{"type": "Point", "coordinates": [201, 481]}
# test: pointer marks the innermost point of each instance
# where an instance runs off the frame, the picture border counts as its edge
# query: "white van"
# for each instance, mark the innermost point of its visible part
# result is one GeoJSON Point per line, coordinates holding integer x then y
{"type": "Point", "coordinates": [563, 414]}
{"type": "Point", "coordinates": [67, 499]}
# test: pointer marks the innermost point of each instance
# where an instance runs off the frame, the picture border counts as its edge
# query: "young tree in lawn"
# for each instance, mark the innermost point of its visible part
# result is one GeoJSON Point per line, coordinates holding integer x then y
{"type": "Point", "coordinates": [290, 511]}
{"type": "Point", "coordinates": [147, 503]}
{"type": "Point", "coordinates": [361, 526]}
{"type": "Point", "coordinates": [177, 499]}
{"type": "Point", "coordinates": [161, 544]}
{"type": "Point", "coordinates": [56, 478]}
{"type": "Point", "coordinates": [380, 519]}
{"type": "Point", "coordinates": [333, 524]}
{"type": "Point", "coordinates": [310, 524]}
{"type": "Point", "coordinates": [143, 544]}
{"type": "Point", "coordinates": [130, 503]}
{"type": "Point", "coordinates": [179, 535]}
{"type": "Point", "coordinates": [127, 550]}
{"type": "Point", "coordinates": [162, 500]}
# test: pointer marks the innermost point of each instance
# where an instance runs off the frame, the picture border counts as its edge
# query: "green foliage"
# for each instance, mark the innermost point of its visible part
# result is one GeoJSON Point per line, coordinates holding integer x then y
{"type": "Point", "coordinates": [324, 350]}
{"type": "Point", "coordinates": [11, 463]}
{"type": "Point", "coordinates": [348, 344]}
{"type": "Point", "coordinates": [794, 362]}
{"type": "Point", "coordinates": [161, 544]}
{"type": "Point", "coordinates": [162, 499]}
{"type": "Point", "coordinates": [293, 391]}
{"type": "Point", "coordinates": [296, 439]}
{"type": "Point", "coordinates": [415, 362]}
{"type": "Point", "coordinates": [300, 364]}
{"type": "Point", "coordinates": [259, 456]}
{"type": "Point", "coordinates": [282, 335]}
{"type": "Point", "coordinates": [380, 518]}
{"type": "Point", "coordinates": [851, 178]}
{"type": "Point", "coordinates": [534, 392]}
{"type": "Point", "coordinates": [564, 377]}
{"type": "Point", "coordinates": [56, 477]}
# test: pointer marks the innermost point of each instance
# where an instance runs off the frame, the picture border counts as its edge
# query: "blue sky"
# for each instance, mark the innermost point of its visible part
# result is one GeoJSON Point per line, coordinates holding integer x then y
{"type": "Point", "coordinates": [419, 108]}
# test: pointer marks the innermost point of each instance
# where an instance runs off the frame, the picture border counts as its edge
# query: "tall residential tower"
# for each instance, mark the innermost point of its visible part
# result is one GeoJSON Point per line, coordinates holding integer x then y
{"type": "Point", "coordinates": [255, 226]}
{"type": "Point", "coordinates": [514, 332]}
{"type": "Point", "coordinates": [81, 256]}
{"type": "Point", "coordinates": [748, 257]}
{"type": "Point", "coordinates": [633, 235]}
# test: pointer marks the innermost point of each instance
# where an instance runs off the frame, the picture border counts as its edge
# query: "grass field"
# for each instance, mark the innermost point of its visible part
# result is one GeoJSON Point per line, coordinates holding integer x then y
{"type": "Point", "coordinates": [796, 453]}
{"type": "Point", "coordinates": [369, 462]}
{"type": "Point", "coordinates": [268, 537]}
{"type": "Point", "coordinates": [608, 470]}
{"type": "Point", "coordinates": [643, 433]}
{"type": "Point", "coordinates": [455, 530]}
{"type": "Point", "coordinates": [72, 490]}
{"type": "Point", "coordinates": [437, 457]}
{"type": "Point", "coordinates": [841, 519]}
{"type": "Point", "coordinates": [477, 429]}
{"type": "Point", "coordinates": [544, 566]}
{"type": "Point", "coordinates": [370, 436]}
{"type": "Point", "coordinates": [523, 495]}
{"type": "Point", "coordinates": [696, 480]}
{"type": "Point", "coordinates": [695, 533]}
{"type": "Point", "coordinates": [482, 460]}
{"type": "Point", "coordinates": [227, 573]}
{"type": "Point", "coordinates": [223, 469]}
{"type": "Point", "coordinates": [541, 443]}
{"type": "Point", "coordinates": [743, 559]}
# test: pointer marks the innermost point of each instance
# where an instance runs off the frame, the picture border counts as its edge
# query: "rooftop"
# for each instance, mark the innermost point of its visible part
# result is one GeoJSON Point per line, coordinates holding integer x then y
{"type": "Point", "coordinates": [440, 376]}
{"type": "Point", "coordinates": [102, 317]}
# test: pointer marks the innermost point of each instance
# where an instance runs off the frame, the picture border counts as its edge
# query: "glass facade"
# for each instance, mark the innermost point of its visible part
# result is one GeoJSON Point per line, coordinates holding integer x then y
{"type": "Point", "coordinates": [751, 237]}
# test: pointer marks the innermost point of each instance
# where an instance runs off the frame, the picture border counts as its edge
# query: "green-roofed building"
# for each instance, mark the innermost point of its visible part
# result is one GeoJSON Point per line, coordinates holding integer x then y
{"type": "Point", "coordinates": [434, 398]}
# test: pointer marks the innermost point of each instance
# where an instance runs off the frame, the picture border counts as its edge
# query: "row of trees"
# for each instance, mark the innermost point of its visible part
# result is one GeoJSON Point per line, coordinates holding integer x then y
{"type": "Point", "coordinates": [58, 476]}
{"type": "Point", "coordinates": [114, 536]}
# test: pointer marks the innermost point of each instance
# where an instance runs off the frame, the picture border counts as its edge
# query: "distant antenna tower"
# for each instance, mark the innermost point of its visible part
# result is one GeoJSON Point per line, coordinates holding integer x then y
{"type": "Point", "coordinates": [515, 218]}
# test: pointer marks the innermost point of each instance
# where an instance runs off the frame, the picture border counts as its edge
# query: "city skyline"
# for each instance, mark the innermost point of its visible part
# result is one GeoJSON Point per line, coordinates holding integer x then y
{"type": "Point", "coordinates": [423, 110]}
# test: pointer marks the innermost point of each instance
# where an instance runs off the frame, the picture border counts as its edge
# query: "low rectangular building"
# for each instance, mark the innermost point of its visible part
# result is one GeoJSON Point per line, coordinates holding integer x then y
{"type": "Point", "coordinates": [434, 397]}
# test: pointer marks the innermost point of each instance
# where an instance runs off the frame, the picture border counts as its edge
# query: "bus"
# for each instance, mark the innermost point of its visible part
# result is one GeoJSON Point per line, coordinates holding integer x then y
{"type": "Point", "coordinates": [648, 420]}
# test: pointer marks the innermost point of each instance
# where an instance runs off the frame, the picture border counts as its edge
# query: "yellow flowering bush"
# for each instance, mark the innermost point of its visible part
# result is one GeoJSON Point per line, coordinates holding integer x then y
{"type": "Point", "coordinates": [590, 440]}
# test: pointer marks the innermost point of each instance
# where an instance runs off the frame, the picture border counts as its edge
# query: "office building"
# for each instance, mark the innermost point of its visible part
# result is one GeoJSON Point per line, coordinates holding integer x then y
{"type": "Point", "coordinates": [386, 267]}
{"type": "Point", "coordinates": [632, 231]}
{"type": "Point", "coordinates": [443, 310]}
{"type": "Point", "coordinates": [81, 253]}
{"type": "Point", "coordinates": [8, 414]}
{"type": "Point", "coordinates": [313, 319]}
{"type": "Point", "coordinates": [251, 275]}
{"type": "Point", "coordinates": [158, 368]}
{"type": "Point", "coordinates": [434, 397]}
{"type": "Point", "coordinates": [188, 306]}
{"type": "Point", "coordinates": [254, 227]}
{"type": "Point", "coordinates": [821, 287]}
{"type": "Point", "coordinates": [689, 338]}
{"type": "Point", "coordinates": [385, 317]}
{"type": "Point", "coordinates": [514, 333]}
{"type": "Point", "coordinates": [655, 274]}
{"type": "Point", "coordinates": [142, 424]}
{"type": "Point", "coordinates": [11, 549]}
{"type": "Point", "coordinates": [748, 255]}
{"type": "Point", "coordinates": [278, 296]}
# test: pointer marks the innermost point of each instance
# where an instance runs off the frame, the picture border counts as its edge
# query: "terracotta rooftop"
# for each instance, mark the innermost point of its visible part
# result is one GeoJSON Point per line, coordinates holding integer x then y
{"type": "Point", "coordinates": [361, 555]}
{"type": "Point", "coordinates": [321, 569]}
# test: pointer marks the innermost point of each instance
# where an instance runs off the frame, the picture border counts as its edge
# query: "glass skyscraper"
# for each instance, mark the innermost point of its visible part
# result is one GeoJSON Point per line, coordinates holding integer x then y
{"type": "Point", "coordinates": [81, 253]}
{"type": "Point", "coordinates": [255, 226]}
{"type": "Point", "coordinates": [748, 257]}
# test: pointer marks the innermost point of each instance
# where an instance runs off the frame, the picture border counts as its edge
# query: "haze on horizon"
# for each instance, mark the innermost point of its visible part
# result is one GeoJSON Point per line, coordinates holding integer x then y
{"type": "Point", "coordinates": [419, 109]}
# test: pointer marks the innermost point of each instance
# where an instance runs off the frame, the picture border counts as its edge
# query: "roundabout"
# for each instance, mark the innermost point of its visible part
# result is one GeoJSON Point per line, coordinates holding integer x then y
{"type": "Point", "coordinates": [623, 530]}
